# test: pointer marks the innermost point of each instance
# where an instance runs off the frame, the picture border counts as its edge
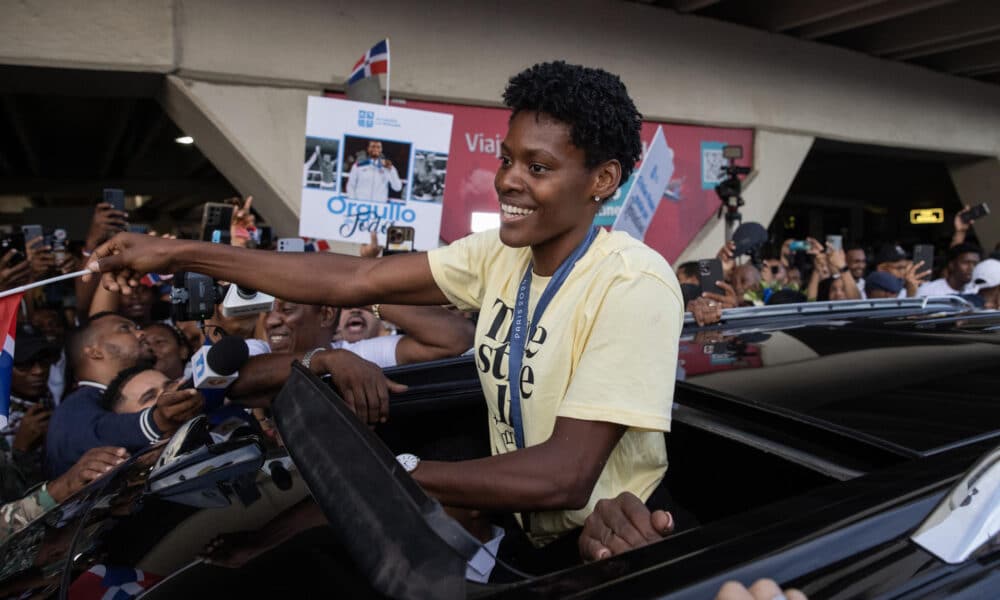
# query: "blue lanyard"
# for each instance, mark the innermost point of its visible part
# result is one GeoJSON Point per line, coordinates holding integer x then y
{"type": "Point", "coordinates": [518, 339]}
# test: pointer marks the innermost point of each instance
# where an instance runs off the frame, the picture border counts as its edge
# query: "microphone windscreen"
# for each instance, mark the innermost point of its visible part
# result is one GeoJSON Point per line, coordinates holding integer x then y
{"type": "Point", "coordinates": [749, 237]}
{"type": "Point", "coordinates": [226, 356]}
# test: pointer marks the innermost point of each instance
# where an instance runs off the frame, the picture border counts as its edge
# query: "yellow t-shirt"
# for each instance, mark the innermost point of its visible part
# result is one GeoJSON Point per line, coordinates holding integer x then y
{"type": "Point", "coordinates": [604, 350]}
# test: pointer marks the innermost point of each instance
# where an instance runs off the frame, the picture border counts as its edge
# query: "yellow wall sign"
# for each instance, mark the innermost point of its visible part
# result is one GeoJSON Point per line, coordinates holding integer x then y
{"type": "Point", "coordinates": [926, 216]}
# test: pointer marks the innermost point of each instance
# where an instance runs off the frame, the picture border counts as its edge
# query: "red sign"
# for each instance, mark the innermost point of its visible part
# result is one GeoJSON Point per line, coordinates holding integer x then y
{"type": "Point", "coordinates": [690, 201]}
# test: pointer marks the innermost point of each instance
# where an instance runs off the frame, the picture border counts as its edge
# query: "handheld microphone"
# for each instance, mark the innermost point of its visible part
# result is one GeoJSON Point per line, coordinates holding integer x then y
{"type": "Point", "coordinates": [217, 366]}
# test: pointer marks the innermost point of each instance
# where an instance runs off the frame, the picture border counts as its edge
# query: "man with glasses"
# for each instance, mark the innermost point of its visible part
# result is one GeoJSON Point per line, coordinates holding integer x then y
{"type": "Point", "coordinates": [30, 408]}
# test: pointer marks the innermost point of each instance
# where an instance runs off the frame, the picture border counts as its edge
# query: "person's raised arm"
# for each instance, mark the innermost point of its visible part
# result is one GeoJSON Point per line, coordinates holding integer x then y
{"type": "Point", "coordinates": [432, 332]}
{"type": "Point", "coordinates": [309, 278]}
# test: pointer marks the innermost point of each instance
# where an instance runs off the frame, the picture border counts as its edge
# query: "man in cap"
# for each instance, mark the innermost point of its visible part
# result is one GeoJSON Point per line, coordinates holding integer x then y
{"type": "Point", "coordinates": [986, 275]}
{"type": "Point", "coordinates": [882, 284]}
{"type": "Point", "coordinates": [962, 260]}
{"type": "Point", "coordinates": [30, 408]}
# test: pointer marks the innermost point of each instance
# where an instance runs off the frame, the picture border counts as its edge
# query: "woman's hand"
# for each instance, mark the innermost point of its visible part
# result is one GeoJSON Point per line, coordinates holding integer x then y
{"type": "Point", "coordinates": [621, 524]}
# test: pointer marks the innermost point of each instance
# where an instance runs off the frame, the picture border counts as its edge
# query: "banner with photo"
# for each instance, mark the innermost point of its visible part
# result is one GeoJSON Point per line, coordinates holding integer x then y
{"type": "Point", "coordinates": [688, 203]}
{"type": "Point", "coordinates": [368, 167]}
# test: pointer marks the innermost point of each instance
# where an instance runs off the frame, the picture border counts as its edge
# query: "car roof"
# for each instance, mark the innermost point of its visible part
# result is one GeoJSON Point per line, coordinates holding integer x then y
{"type": "Point", "coordinates": [916, 380]}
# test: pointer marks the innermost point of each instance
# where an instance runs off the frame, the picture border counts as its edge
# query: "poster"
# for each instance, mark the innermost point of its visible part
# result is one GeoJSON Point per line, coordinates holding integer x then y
{"type": "Point", "coordinates": [689, 202]}
{"type": "Point", "coordinates": [368, 167]}
{"type": "Point", "coordinates": [646, 188]}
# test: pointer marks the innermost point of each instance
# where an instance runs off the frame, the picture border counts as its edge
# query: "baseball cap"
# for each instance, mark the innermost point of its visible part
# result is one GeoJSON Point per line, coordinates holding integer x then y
{"type": "Point", "coordinates": [889, 253]}
{"type": "Point", "coordinates": [29, 346]}
{"type": "Point", "coordinates": [884, 281]}
{"type": "Point", "coordinates": [987, 273]}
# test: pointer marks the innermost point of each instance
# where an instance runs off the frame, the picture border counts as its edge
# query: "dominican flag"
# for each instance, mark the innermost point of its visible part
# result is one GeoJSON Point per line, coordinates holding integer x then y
{"type": "Point", "coordinates": [373, 62]}
{"type": "Point", "coordinates": [103, 582]}
{"type": "Point", "coordinates": [8, 327]}
{"type": "Point", "coordinates": [315, 245]}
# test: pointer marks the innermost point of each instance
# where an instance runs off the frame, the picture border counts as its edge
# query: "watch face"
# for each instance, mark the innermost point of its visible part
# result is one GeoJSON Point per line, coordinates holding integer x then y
{"type": "Point", "coordinates": [408, 461]}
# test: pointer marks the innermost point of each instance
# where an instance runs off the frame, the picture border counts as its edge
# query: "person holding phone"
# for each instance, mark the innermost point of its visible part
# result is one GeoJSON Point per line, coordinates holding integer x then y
{"type": "Point", "coordinates": [962, 261]}
{"type": "Point", "coordinates": [578, 327]}
{"type": "Point", "coordinates": [30, 408]}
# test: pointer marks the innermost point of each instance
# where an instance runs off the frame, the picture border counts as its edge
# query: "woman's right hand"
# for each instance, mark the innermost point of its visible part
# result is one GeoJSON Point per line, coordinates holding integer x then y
{"type": "Point", "coordinates": [125, 258]}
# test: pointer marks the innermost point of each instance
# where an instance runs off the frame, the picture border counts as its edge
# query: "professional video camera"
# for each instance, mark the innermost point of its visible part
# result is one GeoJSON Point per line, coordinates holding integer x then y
{"type": "Point", "coordinates": [730, 189]}
{"type": "Point", "coordinates": [194, 296]}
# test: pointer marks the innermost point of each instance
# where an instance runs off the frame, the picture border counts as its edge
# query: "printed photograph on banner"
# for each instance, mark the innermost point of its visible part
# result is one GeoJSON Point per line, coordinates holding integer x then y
{"type": "Point", "coordinates": [321, 167]}
{"type": "Point", "coordinates": [391, 171]}
{"type": "Point", "coordinates": [712, 162]}
{"type": "Point", "coordinates": [375, 170]}
{"type": "Point", "coordinates": [429, 169]}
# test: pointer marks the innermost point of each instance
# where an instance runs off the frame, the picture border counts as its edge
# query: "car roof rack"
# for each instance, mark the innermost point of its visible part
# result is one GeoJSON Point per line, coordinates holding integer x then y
{"type": "Point", "coordinates": [838, 307]}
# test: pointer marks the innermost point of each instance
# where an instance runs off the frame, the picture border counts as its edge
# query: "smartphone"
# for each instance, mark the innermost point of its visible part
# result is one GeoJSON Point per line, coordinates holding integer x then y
{"type": "Point", "coordinates": [215, 215]}
{"type": "Point", "coordinates": [925, 253]}
{"type": "Point", "coordinates": [799, 246]}
{"type": "Point", "coordinates": [710, 271]}
{"type": "Point", "coordinates": [137, 228]}
{"type": "Point", "coordinates": [31, 232]}
{"type": "Point", "coordinates": [835, 242]}
{"type": "Point", "coordinates": [115, 197]}
{"type": "Point", "coordinates": [976, 212]}
{"type": "Point", "coordinates": [59, 242]}
{"type": "Point", "coordinates": [291, 245]}
{"type": "Point", "coordinates": [221, 236]}
{"type": "Point", "coordinates": [398, 240]}
{"type": "Point", "coordinates": [266, 236]}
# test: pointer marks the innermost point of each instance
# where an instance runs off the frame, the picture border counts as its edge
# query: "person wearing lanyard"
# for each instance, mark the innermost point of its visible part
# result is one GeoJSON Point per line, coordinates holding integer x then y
{"type": "Point", "coordinates": [578, 330]}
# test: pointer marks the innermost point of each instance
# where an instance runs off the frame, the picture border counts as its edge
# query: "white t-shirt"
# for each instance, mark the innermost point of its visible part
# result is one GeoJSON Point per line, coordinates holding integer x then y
{"type": "Point", "coordinates": [380, 350]}
{"type": "Point", "coordinates": [940, 287]}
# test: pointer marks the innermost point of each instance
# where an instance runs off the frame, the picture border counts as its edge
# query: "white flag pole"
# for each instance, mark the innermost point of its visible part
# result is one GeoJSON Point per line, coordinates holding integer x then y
{"type": "Point", "coordinates": [32, 286]}
{"type": "Point", "coordinates": [388, 70]}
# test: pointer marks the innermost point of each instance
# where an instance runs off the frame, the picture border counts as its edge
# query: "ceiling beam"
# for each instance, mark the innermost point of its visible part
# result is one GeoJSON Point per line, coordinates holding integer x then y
{"type": "Point", "coordinates": [932, 49]}
{"type": "Point", "coordinates": [965, 59]}
{"type": "Point", "coordinates": [869, 15]}
{"type": "Point", "coordinates": [934, 26]}
{"type": "Point", "coordinates": [980, 70]}
{"type": "Point", "coordinates": [690, 6]}
{"type": "Point", "coordinates": [780, 15]}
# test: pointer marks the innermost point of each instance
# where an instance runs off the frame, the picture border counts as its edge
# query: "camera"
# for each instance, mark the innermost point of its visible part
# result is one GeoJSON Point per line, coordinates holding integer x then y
{"type": "Point", "coordinates": [193, 297]}
{"type": "Point", "coordinates": [242, 301]}
{"type": "Point", "coordinates": [398, 240]}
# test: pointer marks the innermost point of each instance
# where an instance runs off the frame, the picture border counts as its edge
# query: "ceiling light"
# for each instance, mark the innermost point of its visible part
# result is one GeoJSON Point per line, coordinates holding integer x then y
{"type": "Point", "coordinates": [185, 139]}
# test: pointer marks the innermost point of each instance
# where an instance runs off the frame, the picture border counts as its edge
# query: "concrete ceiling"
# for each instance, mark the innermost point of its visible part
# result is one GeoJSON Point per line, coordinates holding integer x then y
{"type": "Point", "coordinates": [958, 37]}
{"type": "Point", "coordinates": [67, 134]}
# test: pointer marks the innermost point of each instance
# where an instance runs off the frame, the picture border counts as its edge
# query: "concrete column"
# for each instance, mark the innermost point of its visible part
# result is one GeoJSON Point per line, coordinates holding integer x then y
{"type": "Point", "coordinates": [777, 158]}
{"type": "Point", "coordinates": [978, 182]}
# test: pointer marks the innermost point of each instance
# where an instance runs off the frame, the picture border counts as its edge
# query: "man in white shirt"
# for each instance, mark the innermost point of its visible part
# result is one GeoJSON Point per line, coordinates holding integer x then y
{"type": "Point", "coordinates": [371, 178]}
{"type": "Point", "coordinates": [962, 260]}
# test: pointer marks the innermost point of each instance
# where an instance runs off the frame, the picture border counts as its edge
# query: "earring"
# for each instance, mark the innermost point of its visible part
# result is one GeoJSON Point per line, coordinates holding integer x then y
{"type": "Point", "coordinates": [597, 198]}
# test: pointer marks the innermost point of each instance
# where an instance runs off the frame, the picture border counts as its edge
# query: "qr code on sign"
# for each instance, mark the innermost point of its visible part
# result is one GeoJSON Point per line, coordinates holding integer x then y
{"type": "Point", "coordinates": [712, 162]}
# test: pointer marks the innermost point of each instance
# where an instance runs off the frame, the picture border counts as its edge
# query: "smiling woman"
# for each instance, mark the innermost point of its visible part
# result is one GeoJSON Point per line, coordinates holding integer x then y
{"type": "Point", "coordinates": [578, 328]}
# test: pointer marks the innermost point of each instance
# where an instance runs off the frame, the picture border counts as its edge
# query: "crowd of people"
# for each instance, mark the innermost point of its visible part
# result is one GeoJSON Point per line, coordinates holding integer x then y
{"type": "Point", "coordinates": [808, 271]}
{"type": "Point", "coordinates": [100, 365]}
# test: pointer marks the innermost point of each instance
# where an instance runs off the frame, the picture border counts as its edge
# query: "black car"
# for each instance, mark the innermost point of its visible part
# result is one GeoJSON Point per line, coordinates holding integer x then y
{"type": "Point", "coordinates": [850, 449]}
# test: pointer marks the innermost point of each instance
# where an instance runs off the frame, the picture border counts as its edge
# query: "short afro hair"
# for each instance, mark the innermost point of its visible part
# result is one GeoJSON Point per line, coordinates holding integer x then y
{"type": "Point", "coordinates": [603, 120]}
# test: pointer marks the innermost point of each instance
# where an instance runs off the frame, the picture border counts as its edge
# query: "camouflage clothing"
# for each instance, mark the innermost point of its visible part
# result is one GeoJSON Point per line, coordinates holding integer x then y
{"type": "Point", "coordinates": [15, 516]}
